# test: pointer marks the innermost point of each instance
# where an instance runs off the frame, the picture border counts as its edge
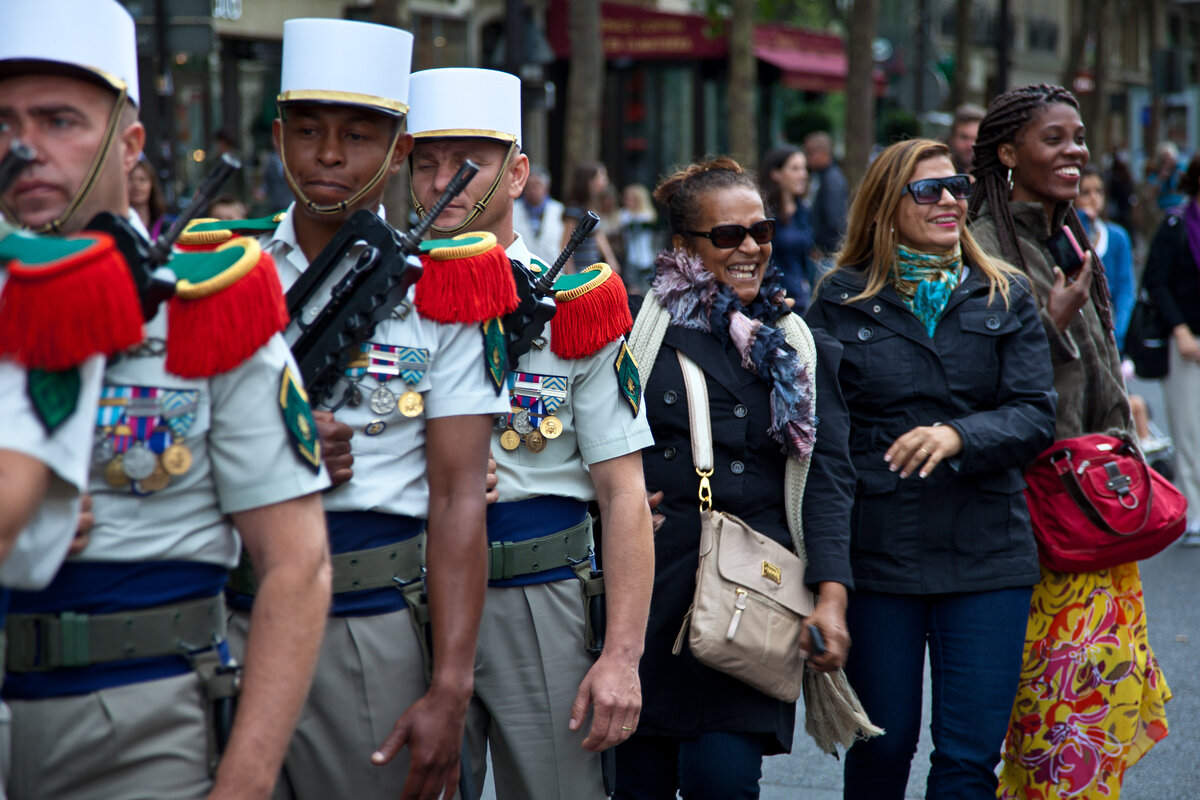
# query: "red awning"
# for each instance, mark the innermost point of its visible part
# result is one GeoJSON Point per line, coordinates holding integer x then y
{"type": "Point", "coordinates": [810, 60]}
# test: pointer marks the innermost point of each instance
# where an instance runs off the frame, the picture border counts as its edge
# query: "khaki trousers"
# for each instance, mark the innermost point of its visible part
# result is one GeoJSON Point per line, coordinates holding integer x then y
{"type": "Point", "coordinates": [528, 666]}
{"type": "Point", "coordinates": [1181, 395]}
{"type": "Point", "coordinates": [145, 741]}
{"type": "Point", "coordinates": [369, 673]}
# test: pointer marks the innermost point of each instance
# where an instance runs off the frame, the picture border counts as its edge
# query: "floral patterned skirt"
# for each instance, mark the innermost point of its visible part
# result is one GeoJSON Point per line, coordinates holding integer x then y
{"type": "Point", "coordinates": [1091, 699]}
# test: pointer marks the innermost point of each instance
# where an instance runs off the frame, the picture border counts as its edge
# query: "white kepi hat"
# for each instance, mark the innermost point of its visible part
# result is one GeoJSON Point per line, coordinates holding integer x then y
{"type": "Point", "coordinates": [462, 102]}
{"type": "Point", "coordinates": [459, 101]}
{"type": "Point", "coordinates": [341, 61]}
{"type": "Point", "coordinates": [349, 63]}
{"type": "Point", "coordinates": [96, 37]}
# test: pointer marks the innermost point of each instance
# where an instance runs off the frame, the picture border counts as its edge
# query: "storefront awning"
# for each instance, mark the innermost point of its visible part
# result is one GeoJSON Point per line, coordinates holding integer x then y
{"type": "Point", "coordinates": [809, 60]}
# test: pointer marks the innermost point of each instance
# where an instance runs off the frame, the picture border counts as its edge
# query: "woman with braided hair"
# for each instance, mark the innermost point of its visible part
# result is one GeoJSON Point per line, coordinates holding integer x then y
{"type": "Point", "coordinates": [1091, 697]}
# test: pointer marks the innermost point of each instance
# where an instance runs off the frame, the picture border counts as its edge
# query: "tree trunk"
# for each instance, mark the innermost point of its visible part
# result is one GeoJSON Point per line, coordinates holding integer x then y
{"type": "Point", "coordinates": [1084, 13]}
{"type": "Point", "coordinates": [1098, 123]}
{"type": "Point", "coordinates": [962, 50]}
{"type": "Point", "coordinates": [585, 86]}
{"type": "Point", "coordinates": [396, 197]}
{"type": "Point", "coordinates": [860, 90]}
{"type": "Point", "coordinates": [743, 76]}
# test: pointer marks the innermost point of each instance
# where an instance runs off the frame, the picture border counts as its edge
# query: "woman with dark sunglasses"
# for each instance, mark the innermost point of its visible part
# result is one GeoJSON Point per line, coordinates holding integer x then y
{"type": "Point", "coordinates": [713, 299]}
{"type": "Point", "coordinates": [1091, 701]}
{"type": "Point", "coordinates": [947, 380]}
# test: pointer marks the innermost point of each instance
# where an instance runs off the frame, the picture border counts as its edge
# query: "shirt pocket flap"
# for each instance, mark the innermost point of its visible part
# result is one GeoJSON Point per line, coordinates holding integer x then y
{"type": "Point", "coordinates": [989, 321]}
{"type": "Point", "coordinates": [867, 331]}
{"type": "Point", "coordinates": [877, 481]}
{"type": "Point", "coordinates": [1007, 481]}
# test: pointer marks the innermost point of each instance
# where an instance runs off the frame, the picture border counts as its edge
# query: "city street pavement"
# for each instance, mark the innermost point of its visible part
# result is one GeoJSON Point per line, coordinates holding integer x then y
{"type": "Point", "coordinates": [1170, 771]}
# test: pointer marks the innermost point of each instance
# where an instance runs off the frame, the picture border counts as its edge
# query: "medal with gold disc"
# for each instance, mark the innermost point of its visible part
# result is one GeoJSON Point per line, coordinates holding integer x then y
{"type": "Point", "coordinates": [535, 441]}
{"type": "Point", "coordinates": [510, 439]}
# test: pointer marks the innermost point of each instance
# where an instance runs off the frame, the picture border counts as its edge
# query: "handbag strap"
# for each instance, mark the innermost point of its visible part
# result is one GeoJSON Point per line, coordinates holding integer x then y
{"type": "Point", "coordinates": [1064, 465]}
{"type": "Point", "coordinates": [700, 423]}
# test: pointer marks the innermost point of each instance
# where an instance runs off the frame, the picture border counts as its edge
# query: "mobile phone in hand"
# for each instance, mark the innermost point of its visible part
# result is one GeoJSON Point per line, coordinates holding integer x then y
{"type": "Point", "coordinates": [818, 641]}
{"type": "Point", "coordinates": [1066, 251]}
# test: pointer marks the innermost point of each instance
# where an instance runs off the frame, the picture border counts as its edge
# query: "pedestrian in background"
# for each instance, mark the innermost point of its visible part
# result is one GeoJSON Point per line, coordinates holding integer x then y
{"type": "Point", "coordinates": [146, 197]}
{"type": "Point", "coordinates": [831, 197]}
{"type": "Point", "coordinates": [1091, 698]}
{"type": "Point", "coordinates": [1173, 283]}
{"type": "Point", "coordinates": [537, 216]}
{"type": "Point", "coordinates": [639, 230]}
{"type": "Point", "coordinates": [1111, 242]}
{"type": "Point", "coordinates": [783, 181]}
{"type": "Point", "coordinates": [588, 184]}
{"type": "Point", "coordinates": [963, 131]}
{"type": "Point", "coordinates": [948, 383]}
{"type": "Point", "coordinates": [704, 732]}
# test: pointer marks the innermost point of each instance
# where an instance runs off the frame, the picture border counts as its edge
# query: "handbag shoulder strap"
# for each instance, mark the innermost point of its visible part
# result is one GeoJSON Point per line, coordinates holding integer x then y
{"type": "Point", "coordinates": [795, 474]}
{"type": "Point", "coordinates": [646, 337]}
{"type": "Point", "coordinates": [700, 424]}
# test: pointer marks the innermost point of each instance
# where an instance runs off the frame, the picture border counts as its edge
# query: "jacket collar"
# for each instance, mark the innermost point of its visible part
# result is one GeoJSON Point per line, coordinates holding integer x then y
{"type": "Point", "coordinates": [718, 361]}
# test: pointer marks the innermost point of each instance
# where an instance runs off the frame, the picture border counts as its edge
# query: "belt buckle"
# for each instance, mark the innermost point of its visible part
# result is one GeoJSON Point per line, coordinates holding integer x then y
{"type": "Point", "coordinates": [500, 560]}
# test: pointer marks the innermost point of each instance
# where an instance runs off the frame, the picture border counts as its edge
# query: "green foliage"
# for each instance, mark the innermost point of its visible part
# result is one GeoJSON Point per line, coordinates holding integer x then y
{"type": "Point", "coordinates": [806, 120]}
{"type": "Point", "coordinates": [897, 124]}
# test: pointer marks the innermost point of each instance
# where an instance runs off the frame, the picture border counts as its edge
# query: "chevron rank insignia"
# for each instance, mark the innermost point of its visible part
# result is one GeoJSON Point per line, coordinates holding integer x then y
{"type": "Point", "coordinates": [297, 415]}
{"type": "Point", "coordinates": [54, 395]}
{"type": "Point", "coordinates": [494, 352]}
{"type": "Point", "coordinates": [629, 380]}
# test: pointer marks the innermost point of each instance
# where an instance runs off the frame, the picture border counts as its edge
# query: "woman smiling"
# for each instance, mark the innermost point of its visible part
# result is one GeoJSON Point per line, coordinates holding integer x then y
{"type": "Point", "coordinates": [948, 385]}
{"type": "Point", "coordinates": [1091, 697]}
{"type": "Point", "coordinates": [712, 301]}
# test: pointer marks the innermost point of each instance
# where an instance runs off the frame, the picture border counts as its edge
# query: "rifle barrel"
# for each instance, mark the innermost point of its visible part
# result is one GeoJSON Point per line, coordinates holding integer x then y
{"type": "Point", "coordinates": [19, 156]}
{"type": "Point", "coordinates": [209, 188]}
{"type": "Point", "coordinates": [546, 283]}
{"type": "Point", "coordinates": [459, 182]}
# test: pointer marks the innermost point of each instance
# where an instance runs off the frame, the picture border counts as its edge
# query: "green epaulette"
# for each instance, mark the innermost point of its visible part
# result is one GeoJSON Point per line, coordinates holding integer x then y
{"type": "Point", "coordinates": [200, 232]}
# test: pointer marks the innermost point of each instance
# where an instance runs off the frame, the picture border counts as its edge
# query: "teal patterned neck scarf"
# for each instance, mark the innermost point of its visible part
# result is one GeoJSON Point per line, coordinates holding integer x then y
{"type": "Point", "coordinates": [925, 280]}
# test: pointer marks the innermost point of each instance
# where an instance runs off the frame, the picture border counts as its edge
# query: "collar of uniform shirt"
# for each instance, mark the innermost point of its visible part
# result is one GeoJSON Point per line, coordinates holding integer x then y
{"type": "Point", "coordinates": [283, 242]}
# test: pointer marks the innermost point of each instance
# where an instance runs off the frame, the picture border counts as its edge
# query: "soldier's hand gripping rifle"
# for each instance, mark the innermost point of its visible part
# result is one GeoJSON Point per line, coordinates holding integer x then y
{"type": "Point", "coordinates": [146, 258]}
{"type": "Point", "coordinates": [376, 283]}
{"type": "Point", "coordinates": [536, 307]}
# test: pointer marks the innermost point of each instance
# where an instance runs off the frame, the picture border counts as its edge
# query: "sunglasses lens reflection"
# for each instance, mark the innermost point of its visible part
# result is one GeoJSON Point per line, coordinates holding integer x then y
{"type": "Point", "coordinates": [930, 190]}
{"type": "Point", "coordinates": [730, 236]}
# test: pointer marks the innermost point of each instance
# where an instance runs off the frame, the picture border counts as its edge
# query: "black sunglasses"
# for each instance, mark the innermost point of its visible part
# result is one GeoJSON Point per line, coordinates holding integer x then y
{"type": "Point", "coordinates": [728, 237]}
{"type": "Point", "coordinates": [929, 191]}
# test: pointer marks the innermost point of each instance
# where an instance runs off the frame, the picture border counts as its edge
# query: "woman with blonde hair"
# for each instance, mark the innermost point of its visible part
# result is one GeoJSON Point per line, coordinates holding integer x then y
{"type": "Point", "coordinates": [949, 388]}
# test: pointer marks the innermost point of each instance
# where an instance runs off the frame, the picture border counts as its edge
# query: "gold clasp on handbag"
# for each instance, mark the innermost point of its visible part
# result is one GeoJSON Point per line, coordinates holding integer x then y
{"type": "Point", "coordinates": [705, 489]}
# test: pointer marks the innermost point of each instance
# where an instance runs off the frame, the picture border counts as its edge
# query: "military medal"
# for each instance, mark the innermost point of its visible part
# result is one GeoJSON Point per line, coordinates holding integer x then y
{"type": "Point", "coordinates": [535, 442]}
{"type": "Point", "coordinates": [114, 473]}
{"type": "Point", "coordinates": [551, 427]}
{"type": "Point", "coordinates": [521, 422]}
{"type": "Point", "coordinates": [501, 423]}
{"type": "Point", "coordinates": [176, 459]}
{"type": "Point", "coordinates": [411, 404]}
{"type": "Point", "coordinates": [139, 462]}
{"type": "Point", "coordinates": [104, 449]}
{"type": "Point", "coordinates": [510, 440]}
{"type": "Point", "coordinates": [375, 427]}
{"type": "Point", "coordinates": [157, 481]}
{"type": "Point", "coordinates": [382, 401]}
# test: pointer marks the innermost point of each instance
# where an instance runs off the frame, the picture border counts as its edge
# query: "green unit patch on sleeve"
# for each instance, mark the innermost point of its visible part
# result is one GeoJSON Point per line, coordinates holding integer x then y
{"type": "Point", "coordinates": [54, 395]}
{"type": "Point", "coordinates": [297, 415]}
{"type": "Point", "coordinates": [629, 380]}
{"type": "Point", "coordinates": [495, 352]}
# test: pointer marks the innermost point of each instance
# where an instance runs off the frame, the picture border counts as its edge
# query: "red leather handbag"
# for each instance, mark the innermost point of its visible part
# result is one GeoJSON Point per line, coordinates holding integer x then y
{"type": "Point", "coordinates": [1095, 503]}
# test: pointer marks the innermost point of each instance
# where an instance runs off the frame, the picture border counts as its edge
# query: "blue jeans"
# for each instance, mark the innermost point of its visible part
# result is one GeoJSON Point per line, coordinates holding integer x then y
{"type": "Point", "coordinates": [711, 766]}
{"type": "Point", "coordinates": [975, 647]}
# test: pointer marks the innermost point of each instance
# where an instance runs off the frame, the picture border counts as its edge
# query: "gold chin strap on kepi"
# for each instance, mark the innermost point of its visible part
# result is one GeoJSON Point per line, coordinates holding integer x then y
{"type": "Point", "coordinates": [479, 206]}
{"type": "Point", "coordinates": [338, 208]}
{"type": "Point", "coordinates": [89, 181]}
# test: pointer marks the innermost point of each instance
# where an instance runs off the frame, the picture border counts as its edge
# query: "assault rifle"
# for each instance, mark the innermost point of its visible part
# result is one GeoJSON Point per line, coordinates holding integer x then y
{"type": "Point", "coordinates": [146, 258]}
{"type": "Point", "coordinates": [376, 283]}
{"type": "Point", "coordinates": [18, 157]}
{"type": "Point", "coordinates": [536, 307]}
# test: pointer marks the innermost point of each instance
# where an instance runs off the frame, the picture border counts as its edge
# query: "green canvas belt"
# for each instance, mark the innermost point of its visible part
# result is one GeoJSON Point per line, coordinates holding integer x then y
{"type": "Point", "coordinates": [391, 565]}
{"type": "Point", "coordinates": [40, 642]}
{"type": "Point", "coordinates": [563, 549]}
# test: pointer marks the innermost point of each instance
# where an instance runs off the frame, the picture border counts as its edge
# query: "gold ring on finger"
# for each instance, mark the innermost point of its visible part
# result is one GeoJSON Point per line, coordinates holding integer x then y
{"type": "Point", "coordinates": [626, 728]}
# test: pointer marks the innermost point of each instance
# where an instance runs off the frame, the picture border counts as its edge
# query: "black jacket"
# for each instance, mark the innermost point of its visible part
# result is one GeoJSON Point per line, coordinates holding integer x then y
{"type": "Point", "coordinates": [1172, 277]}
{"type": "Point", "coordinates": [681, 696]}
{"type": "Point", "coordinates": [987, 373]}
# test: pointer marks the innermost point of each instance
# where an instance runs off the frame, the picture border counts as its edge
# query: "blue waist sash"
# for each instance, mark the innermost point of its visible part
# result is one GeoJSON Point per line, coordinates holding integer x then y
{"type": "Point", "coordinates": [529, 519]}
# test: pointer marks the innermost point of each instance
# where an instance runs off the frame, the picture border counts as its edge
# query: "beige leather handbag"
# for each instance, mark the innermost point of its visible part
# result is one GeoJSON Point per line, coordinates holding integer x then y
{"type": "Point", "coordinates": [751, 599]}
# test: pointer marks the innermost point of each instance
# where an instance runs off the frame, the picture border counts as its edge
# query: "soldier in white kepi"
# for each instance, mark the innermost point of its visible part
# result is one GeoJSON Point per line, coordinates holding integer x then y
{"type": "Point", "coordinates": [405, 425]}
{"type": "Point", "coordinates": [573, 433]}
{"type": "Point", "coordinates": [118, 673]}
